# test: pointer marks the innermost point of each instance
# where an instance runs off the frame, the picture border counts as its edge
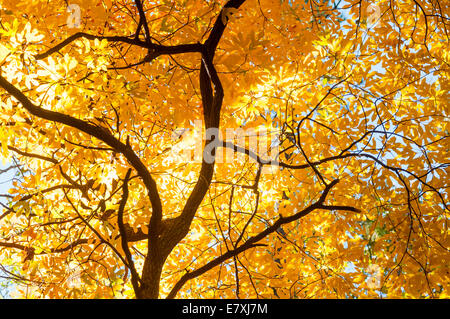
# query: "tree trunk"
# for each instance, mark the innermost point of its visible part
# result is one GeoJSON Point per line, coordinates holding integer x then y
{"type": "Point", "coordinates": [151, 277]}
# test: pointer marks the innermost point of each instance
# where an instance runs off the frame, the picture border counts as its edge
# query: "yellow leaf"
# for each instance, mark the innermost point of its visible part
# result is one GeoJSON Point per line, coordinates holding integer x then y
{"type": "Point", "coordinates": [4, 52]}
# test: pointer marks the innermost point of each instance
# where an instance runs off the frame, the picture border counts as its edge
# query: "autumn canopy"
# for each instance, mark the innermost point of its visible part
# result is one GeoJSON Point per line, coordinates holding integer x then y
{"type": "Point", "coordinates": [225, 149]}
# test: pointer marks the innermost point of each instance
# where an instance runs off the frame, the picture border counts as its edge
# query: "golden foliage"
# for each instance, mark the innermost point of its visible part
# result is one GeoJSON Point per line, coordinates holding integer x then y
{"type": "Point", "coordinates": [355, 105]}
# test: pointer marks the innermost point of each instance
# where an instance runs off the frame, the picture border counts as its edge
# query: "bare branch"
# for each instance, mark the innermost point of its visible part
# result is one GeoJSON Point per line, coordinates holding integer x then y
{"type": "Point", "coordinates": [253, 241]}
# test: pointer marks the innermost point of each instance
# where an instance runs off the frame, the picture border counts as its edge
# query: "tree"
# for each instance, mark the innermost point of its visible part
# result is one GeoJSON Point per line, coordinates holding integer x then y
{"type": "Point", "coordinates": [243, 149]}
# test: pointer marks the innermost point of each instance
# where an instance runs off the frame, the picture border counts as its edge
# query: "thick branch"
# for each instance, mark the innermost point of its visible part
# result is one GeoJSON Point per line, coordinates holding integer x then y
{"type": "Point", "coordinates": [217, 31]}
{"type": "Point", "coordinates": [142, 21]}
{"type": "Point", "coordinates": [100, 134]}
{"type": "Point", "coordinates": [156, 48]}
{"type": "Point", "coordinates": [212, 103]}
